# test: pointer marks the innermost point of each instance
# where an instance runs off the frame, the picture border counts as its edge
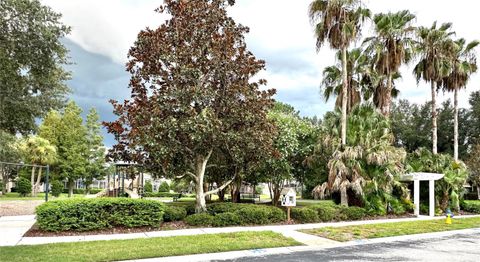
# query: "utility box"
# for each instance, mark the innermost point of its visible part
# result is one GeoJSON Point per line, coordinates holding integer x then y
{"type": "Point", "coordinates": [289, 197]}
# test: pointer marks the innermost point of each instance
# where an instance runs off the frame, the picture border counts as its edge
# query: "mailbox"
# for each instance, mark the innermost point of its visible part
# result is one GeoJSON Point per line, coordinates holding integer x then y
{"type": "Point", "coordinates": [289, 197]}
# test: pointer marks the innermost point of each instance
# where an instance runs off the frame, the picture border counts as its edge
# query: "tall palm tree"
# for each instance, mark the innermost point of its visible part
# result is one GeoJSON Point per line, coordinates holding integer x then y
{"type": "Point", "coordinates": [463, 65]}
{"type": "Point", "coordinates": [364, 84]}
{"type": "Point", "coordinates": [339, 22]}
{"type": "Point", "coordinates": [391, 47]}
{"type": "Point", "coordinates": [433, 46]}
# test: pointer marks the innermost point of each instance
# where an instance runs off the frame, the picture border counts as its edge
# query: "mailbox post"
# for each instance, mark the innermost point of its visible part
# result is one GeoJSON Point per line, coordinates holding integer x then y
{"type": "Point", "coordinates": [289, 199]}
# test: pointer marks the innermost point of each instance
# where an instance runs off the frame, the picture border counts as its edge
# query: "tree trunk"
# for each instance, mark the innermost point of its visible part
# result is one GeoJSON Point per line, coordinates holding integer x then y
{"type": "Point", "coordinates": [221, 195]}
{"type": "Point", "coordinates": [444, 200]}
{"type": "Point", "coordinates": [71, 183]}
{"type": "Point", "coordinates": [388, 97]}
{"type": "Point", "coordinates": [434, 119]}
{"type": "Point", "coordinates": [478, 192]}
{"type": "Point", "coordinates": [32, 181]}
{"type": "Point", "coordinates": [344, 96]}
{"type": "Point", "coordinates": [200, 165]}
{"type": "Point", "coordinates": [455, 125]}
{"type": "Point", "coordinates": [4, 180]}
{"type": "Point", "coordinates": [343, 196]}
{"type": "Point", "coordinates": [37, 183]}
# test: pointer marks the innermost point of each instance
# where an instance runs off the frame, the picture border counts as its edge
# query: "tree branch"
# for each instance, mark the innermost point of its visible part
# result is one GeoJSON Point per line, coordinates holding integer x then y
{"type": "Point", "coordinates": [191, 174]}
{"type": "Point", "coordinates": [221, 188]}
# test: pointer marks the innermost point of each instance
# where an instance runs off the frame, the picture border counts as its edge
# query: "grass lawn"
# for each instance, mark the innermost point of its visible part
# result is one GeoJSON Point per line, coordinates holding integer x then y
{"type": "Point", "coordinates": [145, 248]}
{"type": "Point", "coordinates": [40, 196]}
{"type": "Point", "coordinates": [349, 233]}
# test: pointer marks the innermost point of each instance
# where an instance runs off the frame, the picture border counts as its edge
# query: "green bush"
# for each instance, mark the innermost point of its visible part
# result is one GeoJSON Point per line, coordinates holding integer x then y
{"type": "Point", "coordinates": [227, 219]}
{"type": "Point", "coordinates": [23, 186]}
{"type": "Point", "coordinates": [92, 214]}
{"type": "Point", "coordinates": [304, 215]}
{"type": "Point", "coordinates": [174, 213]}
{"type": "Point", "coordinates": [160, 194]}
{"type": "Point", "coordinates": [94, 191]}
{"type": "Point", "coordinates": [218, 208]}
{"type": "Point", "coordinates": [326, 212]}
{"type": "Point", "coordinates": [57, 188]}
{"type": "Point", "coordinates": [164, 187]}
{"type": "Point", "coordinates": [352, 213]}
{"type": "Point", "coordinates": [148, 188]}
{"type": "Point", "coordinates": [260, 215]}
{"type": "Point", "coordinates": [77, 191]}
{"type": "Point", "coordinates": [472, 206]}
{"type": "Point", "coordinates": [202, 219]}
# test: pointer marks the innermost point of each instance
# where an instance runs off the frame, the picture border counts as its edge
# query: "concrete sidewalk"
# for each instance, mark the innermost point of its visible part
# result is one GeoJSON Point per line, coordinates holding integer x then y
{"type": "Point", "coordinates": [12, 230]}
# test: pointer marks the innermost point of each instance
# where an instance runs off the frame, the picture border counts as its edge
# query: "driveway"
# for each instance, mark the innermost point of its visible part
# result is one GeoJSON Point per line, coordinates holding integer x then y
{"type": "Point", "coordinates": [461, 247]}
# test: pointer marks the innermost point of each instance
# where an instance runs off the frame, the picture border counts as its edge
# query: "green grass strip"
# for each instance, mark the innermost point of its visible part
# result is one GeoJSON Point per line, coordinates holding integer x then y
{"type": "Point", "coordinates": [145, 247]}
{"type": "Point", "coordinates": [349, 233]}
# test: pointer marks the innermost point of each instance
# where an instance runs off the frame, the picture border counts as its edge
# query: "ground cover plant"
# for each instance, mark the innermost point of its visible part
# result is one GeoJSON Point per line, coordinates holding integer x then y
{"type": "Point", "coordinates": [393, 229]}
{"type": "Point", "coordinates": [115, 250]}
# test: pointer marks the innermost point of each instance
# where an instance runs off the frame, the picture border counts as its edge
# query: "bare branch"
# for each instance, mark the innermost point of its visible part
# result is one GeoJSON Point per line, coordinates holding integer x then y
{"type": "Point", "coordinates": [220, 188]}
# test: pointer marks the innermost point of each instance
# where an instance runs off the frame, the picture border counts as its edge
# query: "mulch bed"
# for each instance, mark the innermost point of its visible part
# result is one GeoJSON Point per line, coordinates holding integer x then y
{"type": "Point", "coordinates": [34, 231]}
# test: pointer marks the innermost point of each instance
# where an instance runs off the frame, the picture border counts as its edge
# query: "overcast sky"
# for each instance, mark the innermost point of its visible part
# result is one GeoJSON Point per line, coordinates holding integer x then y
{"type": "Point", "coordinates": [280, 33]}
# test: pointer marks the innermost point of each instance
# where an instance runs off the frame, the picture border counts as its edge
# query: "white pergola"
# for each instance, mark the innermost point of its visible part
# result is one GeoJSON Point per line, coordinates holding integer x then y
{"type": "Point", "coordinates": [416, 178]}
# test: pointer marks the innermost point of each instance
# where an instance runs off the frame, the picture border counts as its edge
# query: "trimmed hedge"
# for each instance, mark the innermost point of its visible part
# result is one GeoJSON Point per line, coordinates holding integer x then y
{"type": "Point", "coordinates": [174, 213]}
{"type": "Point", "coordinates": [304, 215]}
{"type": "Point", "coordinates": [57, 188]}
{"type": "Point", "coordinates": [92, 214]}
{"type": "Point", "coordinates": [230, 214]}
{"type": "Point", "coordinates": [24, 187]}
{"type": "Point", "coordinates": [472, 206]}
{"type": "Point", "coordinates": [332, 212]}
{"type": "Point", "coordinates": [326, 212]}
{"type": "Point", "coordinates": [160, 194]}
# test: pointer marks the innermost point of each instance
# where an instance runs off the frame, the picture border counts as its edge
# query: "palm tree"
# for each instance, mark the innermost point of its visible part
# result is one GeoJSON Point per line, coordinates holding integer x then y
{"type": "Point", "coordinates": [433, 46]}
{"type": "Point", "coordinates": [370, 156]}
{"type": "Point", "coordinates": [339, 23]}
{"type": "Point", "coordinates": [38, 151]}
{"type": "Point", "coordinates": [391, 47]}
{"type": "Point", "coordinates": [332, 84]}
{"type": "Point", "coordinates": [463, 64]}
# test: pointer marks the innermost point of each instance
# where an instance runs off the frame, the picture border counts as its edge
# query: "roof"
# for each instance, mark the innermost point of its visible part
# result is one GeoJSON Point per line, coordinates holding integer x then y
{"type": "Point", "coordinates": [421, 176]}
{"type": "Point", "coordinates": [287, 191]}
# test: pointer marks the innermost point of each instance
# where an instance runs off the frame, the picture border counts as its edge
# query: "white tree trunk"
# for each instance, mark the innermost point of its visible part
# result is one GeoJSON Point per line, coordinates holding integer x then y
{"type": "Point", "coordinates": [32, 181]}
{"type": "Point", "coordinates": [344, 97]}
{"type": "Point", "coordinates": [478, 192]}
{"type": "Point", "coordinates": [343, 196]}
{"type": "Point", "coordinates": [37, 183]}
{"type": "Point", "coordinates": [434, 119]}
{"type": "Point", "coordinates": [200, 165]}
{"type": "Point", "coordinates": [455, 125]}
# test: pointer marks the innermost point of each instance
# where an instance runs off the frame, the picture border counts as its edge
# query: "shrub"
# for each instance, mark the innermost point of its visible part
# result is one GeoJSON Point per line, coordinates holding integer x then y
{"type": "Point", "coordinates": [218, 208]}
{"type": "Point", "coordinates": [160, 194]}
{"type": "Point", "coordinates": [77, 191]}
{"type": "Point", "coordinates": [148, 188]}
{"type": "Point", "coordinates": [326, 212]}
{"type": "Point", "coordinates": [202, 219]}
{"type": "Point", "coordinates": [472, 206]}
{"type": "Point", "coordinates": [164, 187]}
{"type": "Point", "coordinates": [260, 215]}
{"type": "Point", "coordinates": [23, 186]}
{"type": "Point", "coordinates": [92, 214]}
{"type": "Point", "coordinates": [174, 213]}
{"type": "Point", "coordinates": [304, 215]}
{"type": "Point", "coordinates": [227, 219]}
{"type": "Point", "coordinates": [94, 191]}
{"type": "Point", "coordinates": [352, 213]}
{"type": "Point", "coordinates": [57, 188]}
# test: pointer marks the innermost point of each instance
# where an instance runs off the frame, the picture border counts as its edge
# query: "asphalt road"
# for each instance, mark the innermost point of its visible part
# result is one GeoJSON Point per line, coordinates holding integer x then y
{"type": "Point", "coordinates": [463, 247]}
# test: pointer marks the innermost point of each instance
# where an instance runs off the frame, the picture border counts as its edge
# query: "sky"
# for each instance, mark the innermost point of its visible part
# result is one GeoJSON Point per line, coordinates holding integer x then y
{"type": "Point", "coordinates": [280, 33]}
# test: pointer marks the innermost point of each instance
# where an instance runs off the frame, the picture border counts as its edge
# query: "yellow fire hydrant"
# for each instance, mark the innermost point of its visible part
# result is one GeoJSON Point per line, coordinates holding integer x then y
{"type": "Point", "coordinates": [449, 215]}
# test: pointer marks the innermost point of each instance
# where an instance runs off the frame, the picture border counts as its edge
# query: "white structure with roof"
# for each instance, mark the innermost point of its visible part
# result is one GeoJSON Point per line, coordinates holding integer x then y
{"type": "Point", "coordinates": [416, 178]}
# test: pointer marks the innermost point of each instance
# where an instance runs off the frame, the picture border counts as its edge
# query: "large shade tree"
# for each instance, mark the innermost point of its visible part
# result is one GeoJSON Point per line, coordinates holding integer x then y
{"type": "Point", "coordinates": [32, 59]}
{"type": "Point", "coordinates": [9, 153]}
{"type": "Point", "coordinates": [192, 93]}
{"type": "Point", "coordinates": [390, 48]}
{"type": "Point", "coordinates": [433, 45]}
{"type": "Point", "coordinates": [463, 64]}
{"type": "Point", "coordinates": [339, 22]}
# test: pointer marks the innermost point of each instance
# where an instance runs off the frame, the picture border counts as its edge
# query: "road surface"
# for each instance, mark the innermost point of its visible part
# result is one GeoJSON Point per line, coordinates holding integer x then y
{"type": "Point", "coordinates": [462, 247]}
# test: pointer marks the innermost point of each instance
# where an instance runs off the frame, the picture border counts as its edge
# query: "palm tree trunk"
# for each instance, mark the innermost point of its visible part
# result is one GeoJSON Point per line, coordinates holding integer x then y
{"type": "Point", "coordinates": [345, 96]}
{"type": "Point", "coordinates": [434, 119]}
{"type": "Point", "coordinates": [388, 96]}
{"type": "Point", "coordinates": [455, 125]}
{"type": "Point", "coordinates": [343, 196]}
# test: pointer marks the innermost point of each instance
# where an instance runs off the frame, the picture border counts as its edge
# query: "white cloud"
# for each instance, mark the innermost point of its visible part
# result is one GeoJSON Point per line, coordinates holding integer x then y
{"type": "Point", "coordinates": [280, 33]}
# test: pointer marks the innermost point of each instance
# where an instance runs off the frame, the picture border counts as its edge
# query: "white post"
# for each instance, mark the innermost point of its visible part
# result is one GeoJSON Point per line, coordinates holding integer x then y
{"type": "Point", "coordinates": [416, 197]}
{"type": "Point", "coordinates": [431, 191]}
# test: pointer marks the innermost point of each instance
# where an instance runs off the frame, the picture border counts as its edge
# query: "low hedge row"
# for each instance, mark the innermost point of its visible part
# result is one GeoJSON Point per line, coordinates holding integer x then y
{"type": "Point", "coordinates": [92, 214]}
{"type": "Point", "coordinates": [174, 213]}
{"type": "Point", "coordinates": [161, 194]}
{"type": "Point", "coordinates": [230, 214]}
{"type": "Point", "coordinates": [472, 206]}
{"type": "Point", "coordinates": [81, 191]}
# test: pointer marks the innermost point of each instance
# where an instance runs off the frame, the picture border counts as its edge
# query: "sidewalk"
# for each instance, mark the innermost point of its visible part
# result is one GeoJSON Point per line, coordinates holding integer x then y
{"type": "Point", "coordinates": [12, 230]}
